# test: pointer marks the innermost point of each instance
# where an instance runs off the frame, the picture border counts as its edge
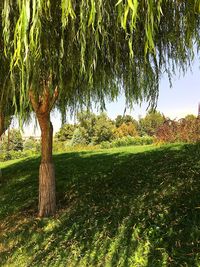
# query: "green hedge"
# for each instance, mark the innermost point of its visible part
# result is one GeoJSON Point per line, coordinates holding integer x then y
{"type": "Point", "coordinates": [129, 141]}
{"type": "Point", "coordinates": [4, 156]}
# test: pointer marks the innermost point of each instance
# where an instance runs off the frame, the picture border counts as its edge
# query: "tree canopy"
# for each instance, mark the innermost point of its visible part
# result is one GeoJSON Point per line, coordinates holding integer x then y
{"type": "Point", "coordinates": [151, 122]}
{"type": "Point", "coordinates": [96, 49]}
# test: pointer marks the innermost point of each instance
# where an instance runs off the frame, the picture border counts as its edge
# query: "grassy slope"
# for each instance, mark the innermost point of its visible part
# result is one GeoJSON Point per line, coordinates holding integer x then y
{"type": "Point", "coordinates": [121, 207]}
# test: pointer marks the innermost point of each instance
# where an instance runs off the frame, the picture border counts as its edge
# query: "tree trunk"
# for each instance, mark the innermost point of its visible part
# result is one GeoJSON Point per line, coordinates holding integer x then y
{"type": "Point", "coordinates": [42, 106]}
{"type": "Point", "coordinates": [47, 198]}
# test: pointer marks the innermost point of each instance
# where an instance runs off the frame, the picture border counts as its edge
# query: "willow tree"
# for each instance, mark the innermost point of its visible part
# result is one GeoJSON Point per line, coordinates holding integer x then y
{"type": "Point", "coordinates": [7, 96]}
{"type": "Point", "coordinates": [71, 53]}
{"type": "Point", "coordinates": [6, 109]}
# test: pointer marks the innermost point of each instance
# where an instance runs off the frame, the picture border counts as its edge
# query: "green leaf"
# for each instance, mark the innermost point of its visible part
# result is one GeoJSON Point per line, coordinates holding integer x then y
{"type": "Point", "coordinates": [118, 2]}
{"type": "Point", "coordinates": [130, 3]}
{"type": "Point", "coordinates": [124, 21]}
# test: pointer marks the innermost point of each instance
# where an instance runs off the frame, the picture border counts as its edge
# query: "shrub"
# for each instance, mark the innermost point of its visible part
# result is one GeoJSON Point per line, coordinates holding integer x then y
{"type": "Point", "coordinates": [15, 155]}
{"type": "Point", "coordinates": [128, 141]}
{"type": "Point", "coordinates": [12, 141]}
{"type": "Point", "coordinates": [106, 144]}
{"type": "Point", "coordinates": [79, 137]}
{"type": "Point", "coordinates": [128, 129]}
{"type": "Point", "coordinates": [150, 123]}
{"type": "Point", "coordinates": [66, 132]}
{"type": "Point", "coordinates": [59, 146]}
{"type": "Point", "coordinates": [103, 129]}
{"type": "Point", "coordinates": [125, 119]}
{"type": "Point", "coordinates": [32, 145]}
{"type": "Point", "coordinates": [185, 130]}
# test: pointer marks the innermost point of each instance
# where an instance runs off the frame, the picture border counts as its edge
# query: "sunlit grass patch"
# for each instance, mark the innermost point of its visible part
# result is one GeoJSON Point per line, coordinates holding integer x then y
{"type": "Point", "coordinates": [117, 207]}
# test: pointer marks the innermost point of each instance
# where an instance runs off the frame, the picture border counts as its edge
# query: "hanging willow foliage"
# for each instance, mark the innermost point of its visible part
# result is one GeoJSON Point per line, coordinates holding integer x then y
{"type": "Point", "coordinates": [95, 49]}
{"type": "Point", "coordinates": [6, 93]}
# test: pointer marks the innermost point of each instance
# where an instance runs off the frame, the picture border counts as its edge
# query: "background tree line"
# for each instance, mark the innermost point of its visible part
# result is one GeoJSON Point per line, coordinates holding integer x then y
{"type": "Point", "coordinates": [94, 129]}
{"type": "Point", "coordinates": [91, 129]}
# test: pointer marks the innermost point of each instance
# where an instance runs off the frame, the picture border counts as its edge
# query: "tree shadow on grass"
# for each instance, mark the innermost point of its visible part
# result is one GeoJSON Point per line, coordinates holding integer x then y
{"type": "Point", "coordinates": [114, 209]}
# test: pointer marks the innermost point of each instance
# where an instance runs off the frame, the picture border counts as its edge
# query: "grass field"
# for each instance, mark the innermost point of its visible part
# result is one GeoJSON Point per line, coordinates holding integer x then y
{"type": "Point", "coordinates": [133, 207]}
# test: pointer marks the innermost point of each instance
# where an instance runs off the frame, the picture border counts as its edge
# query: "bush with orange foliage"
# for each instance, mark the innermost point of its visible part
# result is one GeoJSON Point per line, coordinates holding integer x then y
{"type": "Point", "coordinates": [126, 129]}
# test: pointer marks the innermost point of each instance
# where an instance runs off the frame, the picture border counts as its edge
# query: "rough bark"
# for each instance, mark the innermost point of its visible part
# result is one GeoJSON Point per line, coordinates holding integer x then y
{"type": "Point", "coordinates": [47, 193]}
{"type": "Point", "coordinates": [47, 198]}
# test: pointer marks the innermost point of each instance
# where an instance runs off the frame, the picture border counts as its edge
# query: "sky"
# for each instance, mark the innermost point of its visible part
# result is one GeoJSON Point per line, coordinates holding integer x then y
{"type": "Point", "coordinates": [176, 102]}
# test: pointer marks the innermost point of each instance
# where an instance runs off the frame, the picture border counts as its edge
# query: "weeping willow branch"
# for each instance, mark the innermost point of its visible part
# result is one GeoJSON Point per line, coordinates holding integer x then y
{"type": "Point", "coordinates": [94, 50]}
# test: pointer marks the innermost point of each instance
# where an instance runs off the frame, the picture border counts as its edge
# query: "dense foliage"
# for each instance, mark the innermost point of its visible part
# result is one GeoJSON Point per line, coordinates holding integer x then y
{"type": "Point", "coordinates": [129, 141]}
{"type": "Point", "coordinates": [65, 132]}
{"type": "Point", "coordinates": [94, 49]}
{"type": "Point", "coordinates": [184, 130]}
{"type": "Point", "coordinates": [91, 129]}
{"type": "Point", "coordinates": [103, 129]}
{"type": "Point", "coordinates": [125, 130]}
{"type": "Point", "coordinates": [125, 119]}
{"type": "Point", "coordinates": [151, 122]}
{"type": "Point", "coordinates": [79, 137]}
{"type": "Point", "coordinates": [31, 144]}
{"type": "Point", "coordinates": [12, 141]}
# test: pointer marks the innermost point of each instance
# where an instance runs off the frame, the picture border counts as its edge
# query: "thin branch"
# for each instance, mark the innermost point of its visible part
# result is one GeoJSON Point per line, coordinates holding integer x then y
{"type": "Point", "coordinates": [45, 102]}
{"type": "Point", "coordinates": [54, 98]}
{"type": "Point", "coordinates": [34, 102]}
